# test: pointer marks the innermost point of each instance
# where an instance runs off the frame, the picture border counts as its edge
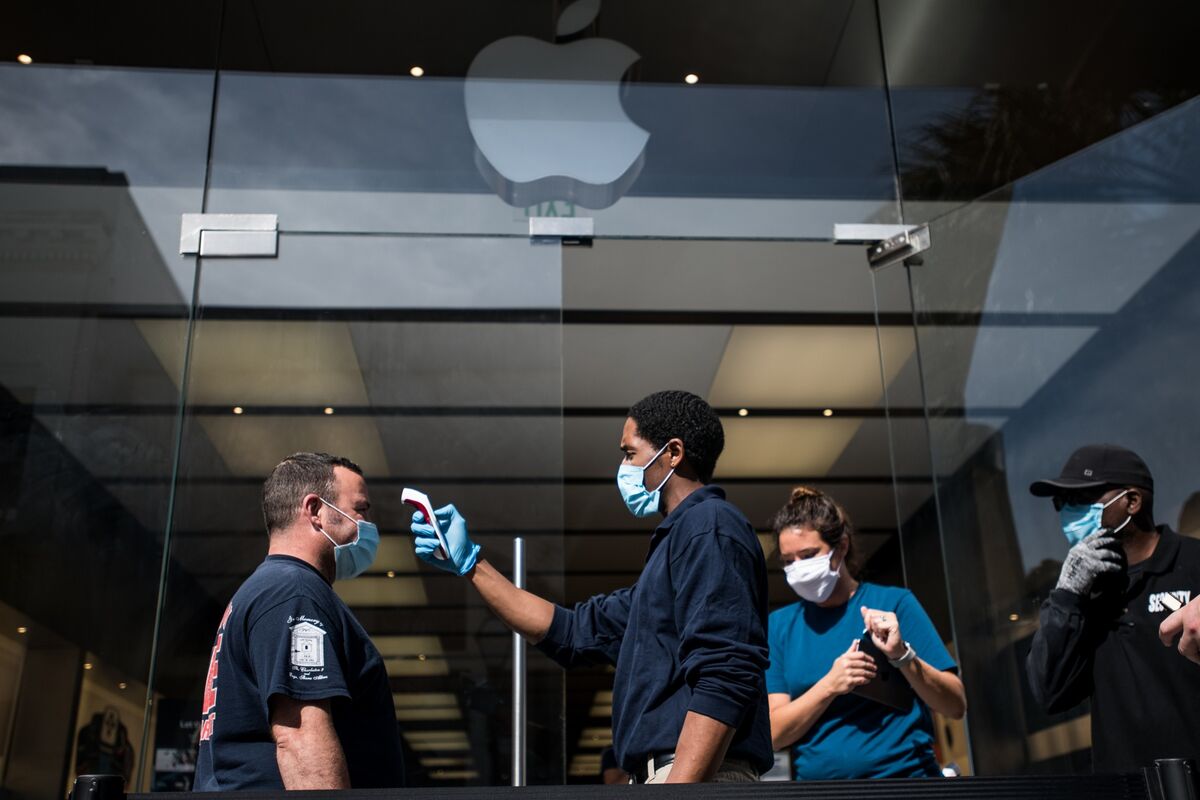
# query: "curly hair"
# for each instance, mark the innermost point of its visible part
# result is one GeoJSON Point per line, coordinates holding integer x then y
{"type": "Point", "coordinates": [677, 414]}
{"type": "Point", "coordinates": [813, 509]}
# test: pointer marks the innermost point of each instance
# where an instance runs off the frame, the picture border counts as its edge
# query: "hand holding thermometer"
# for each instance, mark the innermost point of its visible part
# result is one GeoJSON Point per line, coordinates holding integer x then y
{"type": "Point", "coordinates": [420, 501]}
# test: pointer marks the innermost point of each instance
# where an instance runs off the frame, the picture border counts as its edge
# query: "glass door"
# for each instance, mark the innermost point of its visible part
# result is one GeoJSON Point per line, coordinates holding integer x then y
{"type": "Point", "coordinates": [1053, 309]}
{"type": "Point", "coordinates": [432, 362]}
{"type": "Point", "coordinates": [411, 322]}
{"type": "Point", "coordinates": [1026, 305]}
{"type": "Point", "coordinates": [90, 264]}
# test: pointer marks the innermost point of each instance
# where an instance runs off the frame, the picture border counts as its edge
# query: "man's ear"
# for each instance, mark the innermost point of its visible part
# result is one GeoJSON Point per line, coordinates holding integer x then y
{"type": "Point", "coordinates": [1134, 499]}
{"type": "Point", "coordinates": [675, 452]}
{"type": "Point", "coordinates": [310, 506]}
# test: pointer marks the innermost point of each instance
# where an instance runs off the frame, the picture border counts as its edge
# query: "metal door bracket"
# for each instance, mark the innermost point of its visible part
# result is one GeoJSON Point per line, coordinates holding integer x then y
{"type": "Point", "coordinates": [230, 235]}
{"type": "Point", "coordinates": [886, 244]}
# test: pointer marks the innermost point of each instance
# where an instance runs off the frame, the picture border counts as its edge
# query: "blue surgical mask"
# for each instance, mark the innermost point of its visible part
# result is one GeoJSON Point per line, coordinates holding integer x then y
{"type": "Point", "coordinates": [354, 558]}
{"type": "Point", "coordinates": [1080, 522]}
{"type": "Point", "coordinates": [631, 481]}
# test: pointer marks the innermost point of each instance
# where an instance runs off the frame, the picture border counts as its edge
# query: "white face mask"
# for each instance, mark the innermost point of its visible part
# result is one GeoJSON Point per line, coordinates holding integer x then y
{"type": "Point", "coordinates": [811, 578]}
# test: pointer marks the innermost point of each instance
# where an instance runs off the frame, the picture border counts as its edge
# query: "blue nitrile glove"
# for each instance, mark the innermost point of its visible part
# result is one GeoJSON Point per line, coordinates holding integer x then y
{"type": "Point", "coordinates": [463, 552]}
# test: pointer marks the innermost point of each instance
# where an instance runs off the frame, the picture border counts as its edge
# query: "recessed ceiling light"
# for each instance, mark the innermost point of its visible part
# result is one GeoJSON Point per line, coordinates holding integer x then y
{"type": "Point", "coordinates": [416, 71]}
{"type": "Point", "coordinates": [238, 409]}
{"type": "Point", "coordinates": [828, 412]}
{"type": "Point", "coordinates": [22, 629]}
{"type": "Point", "coordinates": [25, 59]}
{"type": "Point", "coordinates": [1013, 617]}
{"type": "Point", "coordinates": [421, 657]}
{"type": "Point", "coordinates": [88, 665]}
{"type": "Point", "coordinates": [122, 685]}
{"type": "Point", "coordinates": [691, 79]}
{"type": "Point", "coordinates": [743, 412]}
{"type": "Point", "coordinates": [328, 410]}
{"type": "Point", "coordinates": [391, 573]}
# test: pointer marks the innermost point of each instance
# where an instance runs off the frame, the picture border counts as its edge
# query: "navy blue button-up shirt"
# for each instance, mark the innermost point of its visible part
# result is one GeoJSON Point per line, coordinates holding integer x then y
{"type": "Point", "coordinates": [690, 635]}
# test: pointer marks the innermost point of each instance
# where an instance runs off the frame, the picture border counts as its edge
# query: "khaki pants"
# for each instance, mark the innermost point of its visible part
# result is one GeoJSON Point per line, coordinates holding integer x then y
{"type": "Point", "coordinates": [730, 771]}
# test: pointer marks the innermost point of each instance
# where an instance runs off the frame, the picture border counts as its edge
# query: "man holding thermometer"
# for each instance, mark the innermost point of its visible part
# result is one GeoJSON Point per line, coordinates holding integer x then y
{"type": "Point", "coordinates": [688, 639]}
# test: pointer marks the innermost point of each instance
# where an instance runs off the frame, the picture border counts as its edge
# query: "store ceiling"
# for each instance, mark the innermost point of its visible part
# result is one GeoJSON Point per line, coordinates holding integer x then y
{"type": "Point", "coordinates": [755, 42]}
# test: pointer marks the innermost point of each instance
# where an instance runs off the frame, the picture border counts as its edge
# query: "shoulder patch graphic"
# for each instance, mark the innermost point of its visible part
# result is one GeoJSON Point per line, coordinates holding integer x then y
{"type": "Point", "coordinates": [308, 645]}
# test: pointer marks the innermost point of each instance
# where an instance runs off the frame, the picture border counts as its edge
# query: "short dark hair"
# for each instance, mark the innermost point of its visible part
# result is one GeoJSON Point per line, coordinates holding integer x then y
{"type": "Point", "coordinates": [676, 414]}
{"type": "Point", "coordinates": [813, 509]}
{"type": "Point", "coordinates": [294, 477]}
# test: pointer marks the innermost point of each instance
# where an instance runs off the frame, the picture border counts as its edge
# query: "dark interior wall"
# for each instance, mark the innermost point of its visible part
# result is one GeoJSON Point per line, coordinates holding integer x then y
{"type": "Point", "coordinates": [43, 725]}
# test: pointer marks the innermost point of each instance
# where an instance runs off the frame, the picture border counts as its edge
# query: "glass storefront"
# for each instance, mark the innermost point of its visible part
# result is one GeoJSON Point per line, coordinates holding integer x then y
{"type": "Point", "coordinates": [409, 320]}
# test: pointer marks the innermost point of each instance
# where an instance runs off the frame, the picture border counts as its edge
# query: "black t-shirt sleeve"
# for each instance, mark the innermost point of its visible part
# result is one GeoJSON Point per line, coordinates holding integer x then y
{"type": "Point", "coordinates": [296, 649]}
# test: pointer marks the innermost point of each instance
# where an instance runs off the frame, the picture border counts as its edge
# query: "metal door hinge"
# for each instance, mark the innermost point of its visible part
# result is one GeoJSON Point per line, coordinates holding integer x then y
{"type": "Point", "coordinates": [886, 244]}
{"type": "Point", "coordinates": [231, 235]}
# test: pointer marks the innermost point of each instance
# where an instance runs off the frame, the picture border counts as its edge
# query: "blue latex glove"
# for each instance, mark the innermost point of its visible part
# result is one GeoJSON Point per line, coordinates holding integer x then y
{"type": "Point", "coordinates": [463, 552]}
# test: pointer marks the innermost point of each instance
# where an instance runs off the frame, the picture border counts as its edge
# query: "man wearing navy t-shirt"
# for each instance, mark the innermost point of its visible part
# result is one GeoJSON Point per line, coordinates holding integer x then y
{"type": "Point", "coordinates": [296, 696]}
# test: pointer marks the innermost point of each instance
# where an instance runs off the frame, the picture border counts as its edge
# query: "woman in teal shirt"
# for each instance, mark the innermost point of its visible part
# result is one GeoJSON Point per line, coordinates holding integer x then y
{"type": "Point", "coordinates": [816, 663]}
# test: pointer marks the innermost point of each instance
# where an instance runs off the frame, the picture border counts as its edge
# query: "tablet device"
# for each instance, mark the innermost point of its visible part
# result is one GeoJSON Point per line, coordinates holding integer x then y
{"type": "Point", "coordinates": [888, 687]}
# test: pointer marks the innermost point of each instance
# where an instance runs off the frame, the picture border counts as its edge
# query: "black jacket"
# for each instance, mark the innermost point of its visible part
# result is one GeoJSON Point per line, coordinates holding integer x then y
{"type": "Point", "coordinates": [1145, 697]}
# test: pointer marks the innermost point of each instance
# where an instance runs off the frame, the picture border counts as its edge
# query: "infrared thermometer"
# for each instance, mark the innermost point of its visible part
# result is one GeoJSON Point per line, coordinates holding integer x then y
{"type": "Point", "coordinates": [420, 501]}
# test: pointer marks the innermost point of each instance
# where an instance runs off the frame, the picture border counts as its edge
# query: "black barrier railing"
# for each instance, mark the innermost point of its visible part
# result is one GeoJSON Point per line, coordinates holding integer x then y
{"type": "Point", "coordinates": [1170, 779]}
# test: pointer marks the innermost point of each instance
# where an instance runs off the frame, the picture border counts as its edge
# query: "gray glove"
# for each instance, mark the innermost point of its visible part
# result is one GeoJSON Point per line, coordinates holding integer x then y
{"type": "Point", "coordinates": [1096, 555]}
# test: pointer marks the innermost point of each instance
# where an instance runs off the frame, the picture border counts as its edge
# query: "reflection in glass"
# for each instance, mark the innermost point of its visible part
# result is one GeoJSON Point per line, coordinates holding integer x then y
{"type": "Point", "coordinates": [88, 211]}
{"type": "Point", "coordinates": [1053, 314]}
{"type": "Point", "coordinates": [433, 363]}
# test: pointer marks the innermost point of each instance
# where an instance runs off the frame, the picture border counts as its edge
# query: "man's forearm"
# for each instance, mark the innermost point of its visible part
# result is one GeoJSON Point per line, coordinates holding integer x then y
{"type": "Point", "coordinates": [700, 749]}
{"type": "Point", "coordinates": [307, 749]}
{"type": "Point", "coordinates": [524, 612]}
{"type": "Point", "coordinates": [325, 768]}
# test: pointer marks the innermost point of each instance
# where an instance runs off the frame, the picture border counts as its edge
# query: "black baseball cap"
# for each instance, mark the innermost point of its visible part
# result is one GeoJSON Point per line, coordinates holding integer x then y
{"type": "Point", "coordinates": [1097, 465]}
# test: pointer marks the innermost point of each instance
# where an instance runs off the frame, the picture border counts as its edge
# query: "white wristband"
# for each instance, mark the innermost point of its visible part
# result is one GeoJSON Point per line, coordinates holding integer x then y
{"type": "Point", "coordinates": [909, 655]}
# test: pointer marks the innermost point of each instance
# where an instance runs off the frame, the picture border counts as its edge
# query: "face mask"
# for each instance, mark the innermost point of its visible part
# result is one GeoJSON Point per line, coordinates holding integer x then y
{"type": "Point", "coordinates": [631, 481]}
{"type": "Point", "coordinates": [354, 558]}
{"type": "Point", "coordinates": [1080, 522]}
{"type": "Point", "coordinates": [811, 578]}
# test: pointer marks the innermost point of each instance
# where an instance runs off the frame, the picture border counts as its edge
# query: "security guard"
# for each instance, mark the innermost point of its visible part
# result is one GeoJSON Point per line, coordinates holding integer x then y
{"type": "Point", "coordinates": [1099, 636]}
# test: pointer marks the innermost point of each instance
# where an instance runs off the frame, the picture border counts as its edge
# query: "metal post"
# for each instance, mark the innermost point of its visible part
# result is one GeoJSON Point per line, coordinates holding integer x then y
{"type": "Point", "coordinates": [518, 675]}
{"type": "Point", "coordinates": [1172, 779]}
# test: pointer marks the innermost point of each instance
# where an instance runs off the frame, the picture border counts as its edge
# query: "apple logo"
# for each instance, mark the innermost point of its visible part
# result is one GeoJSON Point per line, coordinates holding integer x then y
{"type": "Point", "coordinates": [547, 118]}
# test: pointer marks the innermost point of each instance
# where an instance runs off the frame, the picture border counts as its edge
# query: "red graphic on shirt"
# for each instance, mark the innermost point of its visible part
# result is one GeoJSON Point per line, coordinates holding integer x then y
{"type": "Point", "coordinates": [208, 710]}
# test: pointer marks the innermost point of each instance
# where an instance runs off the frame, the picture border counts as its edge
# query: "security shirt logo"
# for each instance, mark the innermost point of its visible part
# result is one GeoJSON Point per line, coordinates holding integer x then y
{"type": "Point", "coordinates": [308, 646]}
{"type": "Point", "coordinates": [1169, 601]}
